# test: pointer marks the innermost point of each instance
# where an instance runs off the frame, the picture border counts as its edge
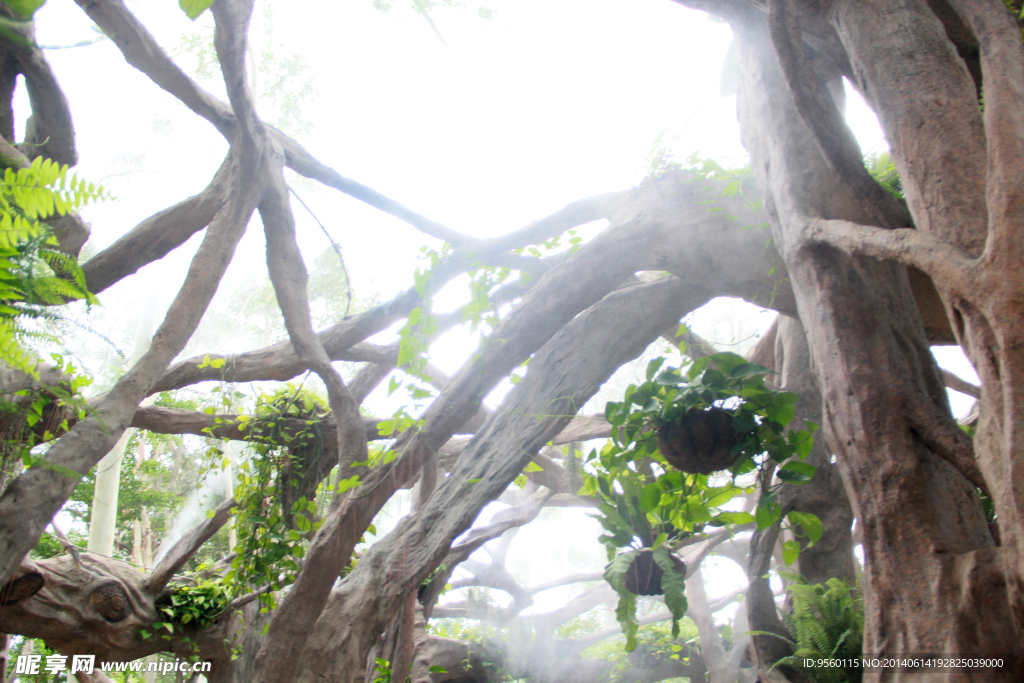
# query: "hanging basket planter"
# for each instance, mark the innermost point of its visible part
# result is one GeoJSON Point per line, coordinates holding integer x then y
{"type": "Point", "coordinates": [644, 575]}
{"type": "Point", "coordinates": [700, 442]}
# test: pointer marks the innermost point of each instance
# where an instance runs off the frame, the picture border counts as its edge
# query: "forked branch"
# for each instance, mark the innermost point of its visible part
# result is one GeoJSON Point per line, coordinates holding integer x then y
{"type": "Point", "coordinates": [823, 119]}
{"type": "Point", "coordinates": [942, 261]}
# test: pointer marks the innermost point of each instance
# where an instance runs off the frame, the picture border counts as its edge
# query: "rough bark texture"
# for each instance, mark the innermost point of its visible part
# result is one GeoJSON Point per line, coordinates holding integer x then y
{"type": "Point", "coordinates": [935, 584]}
{"type": "Point", "coordinates": [562, 376]}
{"type": "Point", "coordinates": [866, 281]}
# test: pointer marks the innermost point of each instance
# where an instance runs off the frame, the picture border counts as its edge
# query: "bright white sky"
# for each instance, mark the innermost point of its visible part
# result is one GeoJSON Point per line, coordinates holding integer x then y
{"type": "Point", "coordinates": [552, 101]}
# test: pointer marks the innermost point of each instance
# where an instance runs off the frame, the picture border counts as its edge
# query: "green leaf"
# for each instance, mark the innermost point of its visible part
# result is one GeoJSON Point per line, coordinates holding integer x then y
{"type": "Point", "coordinates": [748, 370]}
{"type": "Point", "coordinates": [650, 497]}
{"type": "Point", "coordinates": [796, 472]}
{"type": "Point", "coordinates": [804, 443]}
{"type": "Point", "coordinates": [25, 7]}
{"type": "Point", "coordinates": [784, 414]}
{"type": "Point", "coordinates": [733, 518]}
{"type": "Point", "coordinates": [722, 497]}
{"type": "Point", "coordinates": [812, 526]}
{"type": "Point", "coordinates": [625, 613]}
{"type": "Point", "coordinates": [654, 366]}
{"type": "Point", "coordinates": [673, 584]}
{"type": "Point", "coordinates": [697, 367]}
{"type": "Point", "coordinates": [437, 669]}
{"type": "Point", "coordinates": [532, 467]}
{"type": "Point", "coordinates": [615, 571]}
{"type": "Point", "coordinates": [790, 552]}
{"type": "Point", "coordinates": [727, 360]}
{"type": "Point", "coordinates": [767, 513]}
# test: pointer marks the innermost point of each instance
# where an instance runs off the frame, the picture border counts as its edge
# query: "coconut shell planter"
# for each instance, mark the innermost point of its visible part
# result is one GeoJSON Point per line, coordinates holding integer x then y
{"type": "Point", "coordinates": [644, 575]}
{"type": "Point", "coordinates": [700, 442]}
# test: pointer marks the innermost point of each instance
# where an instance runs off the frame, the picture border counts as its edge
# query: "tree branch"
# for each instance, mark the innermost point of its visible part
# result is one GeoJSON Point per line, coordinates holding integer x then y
{"type": "Point", "coordinates": [938, 258]}
{"type": "Point", "coordinates": [142, 51]}
{"type": "Point", "coordinates": [821, 116]}
{"type": "Point", "coordinates": [36, 495]}
{"type": "Point", "coordinates": [227, 426]}
{"type": "Point", "coordinates": [1002, 65]}
{"type": "Point", "coordinates": [187, 546]}
{"type": "Point", "coordinates": [280, 362]}
{"type": "Point", "coordinates": [49, 132]}
{"type": "Point", "coordinates": [944, 437]}
{"type": "Point", "coordinates": [957, 384]}
{"type": "Point", "coordinates": [157, 236]}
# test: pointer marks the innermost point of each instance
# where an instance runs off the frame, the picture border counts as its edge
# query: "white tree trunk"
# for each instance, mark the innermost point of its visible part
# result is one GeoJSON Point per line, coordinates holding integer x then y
{"type": "Point", "coordinates": [103, 521]}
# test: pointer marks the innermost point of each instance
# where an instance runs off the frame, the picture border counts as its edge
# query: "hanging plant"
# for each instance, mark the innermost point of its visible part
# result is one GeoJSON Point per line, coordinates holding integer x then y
{"type": "Point", "coordinates": [643, 577]}
{"type": "Point", "coordinates": [700, 442]}
{"type": "Point", "coordinates": [638, 514]}
{"type": "Point", "coordinates": [718, 415]}
{"type": "Point", "coordinates": [668, 435]}
{"type": "Point", "coordinates": [647, 571]}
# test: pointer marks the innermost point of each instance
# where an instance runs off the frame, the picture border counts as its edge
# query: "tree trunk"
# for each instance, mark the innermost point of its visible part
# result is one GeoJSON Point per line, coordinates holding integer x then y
{"type": "Point", "coordinates": [934, 581]}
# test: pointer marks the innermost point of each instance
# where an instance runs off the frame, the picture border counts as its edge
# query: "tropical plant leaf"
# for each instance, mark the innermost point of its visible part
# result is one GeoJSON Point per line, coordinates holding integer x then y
{"type": "Point", "coordinates": [625, 613]}
{"type": "Point", "coordinates": [673, 585]}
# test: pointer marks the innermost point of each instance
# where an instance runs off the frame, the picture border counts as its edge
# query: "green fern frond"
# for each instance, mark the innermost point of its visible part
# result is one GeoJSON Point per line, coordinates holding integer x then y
{"type": "Point", "coordinates": [33, 271]}
{"type": "Point", "coordinates": [827, 621]}
{"type": "Point", "coordinates": [13, 353]}
{"type": "Point", "coordinates": [44, 189]}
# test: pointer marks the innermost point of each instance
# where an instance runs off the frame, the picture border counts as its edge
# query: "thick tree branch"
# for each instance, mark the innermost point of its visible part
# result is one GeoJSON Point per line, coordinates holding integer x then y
{"type": "Point", "coordinates": [928, 109]}
{"type": "Point", "coordinates": [1002, 66]}
{"type": "Point", "coordinates": [938, 258]}
{"type": "Point", "coordinates": [226, 426]}
{"type": "Point", "coordinates": [157, 236]}
{"type": "Point", "coordinates": [945, 438]}
{"type": "Point", "coordinates": [280, 362]}
{"type": "Point", "coordinates": [36, 495]}
{"type": "Point", "coordinates": [823, 119]}
{"type": "Point", "coordinates": [957, 384]}
{"type": "Point", "coordinates": [327, 552]}
{"type": "Point", "coordinates": [49, 132]}
{"type": "Point", "coordinates": [141, 50]}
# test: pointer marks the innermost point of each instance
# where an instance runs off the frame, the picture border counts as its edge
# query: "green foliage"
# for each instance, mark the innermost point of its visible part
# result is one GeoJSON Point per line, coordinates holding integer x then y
{"type": "Point", "coordinates": [34, 417]}
{"type": "Point", "coordinates": [26, 8]}
{"type": "Point", "coordinates": [827, 622]}
{"type": "Point", "coordinates": [625, 612]}
{"type": "Point", "coordinates": [647, 504]}
{"type": "Point", "coordinates": [709, 169]}
{"type": "Point", "coordinates": [883, 169]}
{"type": "Point", "coordinates": [654, 644]}
{"type": "Point", "coordinates": [193, 8]}
{"type": "Point", "coordinates": [270, 537]}
{"type": "Point", "coordinates": [190, 609]}
{"type": "Point", "coordinates": [725, 381]}
{"type": "Point", "coordinates": [661, 159]}
{"type": "Point", "coordinates": [34, 272]}
{"type": "Point", "coordinates": [673, 585]}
